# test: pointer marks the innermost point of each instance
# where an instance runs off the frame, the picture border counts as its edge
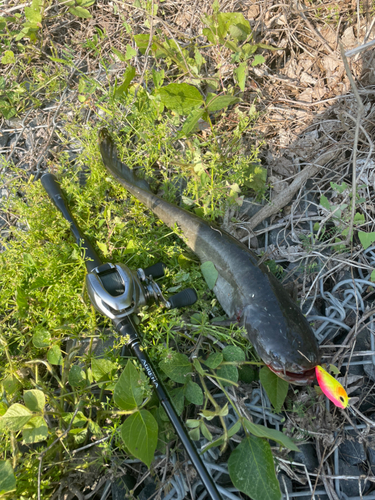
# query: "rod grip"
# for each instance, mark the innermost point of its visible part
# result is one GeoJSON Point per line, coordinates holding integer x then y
{"type": "Point", "coordinates": [52, 187]}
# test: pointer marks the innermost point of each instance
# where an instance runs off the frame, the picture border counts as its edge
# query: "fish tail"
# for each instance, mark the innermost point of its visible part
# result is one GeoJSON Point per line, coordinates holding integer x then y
{"type": "Point", "coordinates": [118, 169]}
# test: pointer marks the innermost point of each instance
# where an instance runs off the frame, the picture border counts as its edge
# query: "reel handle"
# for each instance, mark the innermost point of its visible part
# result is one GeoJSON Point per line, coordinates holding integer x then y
{"type": "Point", "coordinates": [156, 270]}
{"type": "Point", "coordinates": [185, 298]}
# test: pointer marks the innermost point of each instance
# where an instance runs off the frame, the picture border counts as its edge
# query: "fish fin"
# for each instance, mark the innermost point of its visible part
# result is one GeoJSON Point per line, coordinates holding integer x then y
{"type": "Point", "coordinates": [114, 165]}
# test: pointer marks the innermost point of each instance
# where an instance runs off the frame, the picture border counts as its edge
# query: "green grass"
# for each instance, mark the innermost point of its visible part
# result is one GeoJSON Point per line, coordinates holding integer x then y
{"type": "Point", "coordinates": [44, 304]}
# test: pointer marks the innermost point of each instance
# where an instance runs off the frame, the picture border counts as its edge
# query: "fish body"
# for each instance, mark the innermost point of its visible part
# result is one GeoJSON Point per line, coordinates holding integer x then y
{"type": "Point", "coordinates": [246, 290]}
{"type": "Point", "coordinates": [332, 388]}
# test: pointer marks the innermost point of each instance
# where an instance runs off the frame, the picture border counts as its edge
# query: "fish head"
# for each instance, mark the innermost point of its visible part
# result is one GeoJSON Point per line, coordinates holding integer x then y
{"type": "Point", "coordinates": [286, 344]}
{"type": "Point", "coordinates": [294, 372]}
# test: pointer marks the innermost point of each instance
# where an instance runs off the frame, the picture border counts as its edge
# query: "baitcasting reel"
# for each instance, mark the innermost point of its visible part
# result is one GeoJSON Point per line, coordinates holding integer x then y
{"type": "Point", "coordinates": [117, 291]}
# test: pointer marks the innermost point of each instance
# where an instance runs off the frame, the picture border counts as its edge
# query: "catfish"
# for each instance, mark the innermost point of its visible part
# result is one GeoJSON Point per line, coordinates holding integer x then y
{"type": "Point", "coordinates": [247, 291]}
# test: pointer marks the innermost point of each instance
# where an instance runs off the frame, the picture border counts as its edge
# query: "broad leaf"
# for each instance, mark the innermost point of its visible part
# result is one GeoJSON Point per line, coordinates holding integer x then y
{"type": "Point", "coordinates": [177, 366]}
{"type": "Point", "coordinates": [191, 122]}
{"type": "Point", "coordinates": [77, 377]}
{"type": "Point", "coordinates": [275, 387]}
{"type": "Point", "coordinates": [128, 77]}
{"type": "Point", "coordinates": [252, 470]}
{"type": "Point", "coordinates": [7, 478]}
{"type": "Point", "coordinates": [41, 338]}
{"type": "Point", "coordinates": [34, 400]}
{"type": "Point", "coordinates": [214, 360]}
{"type": "Point", "coordinates": [140, 435]}
{"type": "Point", "coordinates": [80, 12]}
{"type": "Point", "coordinates": [180, 97]}
{"type": "Point", "coordinates": [102, 369]}
{"type": "Point", "coordinates": [229, 373]}
{"type": "Point", "coordinates": [258, 59]}
{"type": "Point", "coordinates": [233, 353]}
{"type": "Point", "coordinates": [241, 73]}
{"type": "Point", "coordinates": [218, 102]}
{"type": "Point", "coordinates": [210, 273]}
{"type": "Point", "coordinates": [15, 417]}
{"type": "Point", "coordinates": [366, 238]}
{"type": "Point", "coordinates": [35, 430]}
{"type": "Point", "coordinates": [54, 355]}
{"type": "Point", "coordinates": [128, 393]}
{"type": "Point", "coordinates": [193, 393]}
{"type": "Point", "coordinates": [265, 432]}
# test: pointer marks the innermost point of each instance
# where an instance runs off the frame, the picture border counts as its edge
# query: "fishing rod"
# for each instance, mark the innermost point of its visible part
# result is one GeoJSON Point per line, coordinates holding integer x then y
{"type": "Point", "coordinates": [116, 292]}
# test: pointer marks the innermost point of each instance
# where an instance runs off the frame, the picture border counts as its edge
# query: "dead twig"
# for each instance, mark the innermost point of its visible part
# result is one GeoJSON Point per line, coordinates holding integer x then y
{"type": "Point", "coordinates": [282, 199]}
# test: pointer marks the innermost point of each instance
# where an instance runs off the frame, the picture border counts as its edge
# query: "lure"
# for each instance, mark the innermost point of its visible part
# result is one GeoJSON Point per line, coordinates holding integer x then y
{"type": "Point", "coordinates": [331, 388]}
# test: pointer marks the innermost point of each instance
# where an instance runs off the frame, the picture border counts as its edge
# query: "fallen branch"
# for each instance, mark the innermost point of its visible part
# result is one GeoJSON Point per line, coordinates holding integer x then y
{"type": "Point", "coordinates": [282, 199]}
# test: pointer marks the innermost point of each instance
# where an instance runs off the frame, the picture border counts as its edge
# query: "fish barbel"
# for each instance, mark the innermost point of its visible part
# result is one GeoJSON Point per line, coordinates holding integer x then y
{"type": "Point", "coordinates": [246, 290]}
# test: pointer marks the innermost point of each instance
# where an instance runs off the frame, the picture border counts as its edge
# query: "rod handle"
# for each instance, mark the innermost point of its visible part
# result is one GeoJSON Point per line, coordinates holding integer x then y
{"type": "Point", "coordinates": [52, 187]}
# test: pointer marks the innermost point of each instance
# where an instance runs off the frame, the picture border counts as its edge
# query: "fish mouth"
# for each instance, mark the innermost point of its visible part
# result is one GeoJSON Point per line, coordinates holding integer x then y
{"type": "Point", "coordinates": [304, 378]}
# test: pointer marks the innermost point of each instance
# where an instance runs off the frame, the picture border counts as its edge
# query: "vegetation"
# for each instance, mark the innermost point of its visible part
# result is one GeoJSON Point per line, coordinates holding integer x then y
{"type": "Point", "coordinates": [63, 396]}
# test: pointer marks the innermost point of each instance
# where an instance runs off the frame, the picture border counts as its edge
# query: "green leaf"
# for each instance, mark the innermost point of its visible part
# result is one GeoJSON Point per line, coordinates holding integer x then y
{"type": "Point", "coordinates": [247, 374]}
{"type": "Point", "coordinates": [231, 432]}
{"type": "Point", "coordinates": [366, 238]}
{"type": "Point", "coordinates": [210, 273]}
{"type": "Point", "coordinates": [131, 247]}
{"type": "Point", "coordinates": [198, 367]}
{"type": "Point", "coordinates": [229, 373]}
{"type": "Point", "coordinates": [258, 59]}
{"type": "Point", "coordinates": [240, 74]}
{"type": "Point", "coordinates": [218, 102]}
{"type": "Point", "coordinates": [128, 393]}
{"type": "Point", "coordinates": [33, 13]}
{"type": "Point", "coordinates": [252, 470]}
{"type": "Point", "coordinates": [265, 432]}
{"type": "Point", "coordinates": [180, 97]}
{"type": "Point", "coordinates": [206, 433]}
{"type": "Point", "coordinates": [142, 42]}
{"type": "Point", "coordinates": [41, 338]}
{"type": "Point", "coordinates": [77, 377]}
{"type": "Point", "coordinates": [233, 353]}
{"type": "Point", "coordinates": [214, 360]}
{"type": "Point", "coordinates": [7, 478]}
{"type": "Point", "coordinates": [130, 52]}
{"type": "Point", "coordinates": [275, 387]}
{"type": "Point", "coordinates": [193, 393]}
{"type": "Point", "coordinates": [54, 355]}
{"type": "Point", "coordinates": [102, 369]}
{"type": "Point", "coordinates": [103, 248]}
{"type": "Point", "coordinates": [128, 77]}
{"type": "Point", "coordinates": [140, 435]}
{"type": "Point", "coordinates": [325, 203]}
{"type": "Point", "coordinates": [119, 54]}
{"type": "Point", "coordinates": [15, 417]}
{"type": "Point", "coordinates": [8, 57]}
{"type": "Point", "coordinates": [372, 277]}
{"type": "Point", "coordinates": [35, 430]}
{"type": "Point", "coordinates": [158, 78]}
{"type": "Point", "coordinates": [80, 12]}
{"type": "Point", "coordinates": [22, 299]}
{"type": "Point", "coordinates": [359, 218]}
{"type": "Point", "coordinates": [177, 366]}
{"type": "Point", "coordinates": [191, 122]}
{"type": "Point", "coordinates": [34, 400]}
{"type": "Point", "coordinates": [178, 399]}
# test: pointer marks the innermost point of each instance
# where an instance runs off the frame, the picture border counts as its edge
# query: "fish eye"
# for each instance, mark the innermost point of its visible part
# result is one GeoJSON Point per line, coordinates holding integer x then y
{"type": "Point", "coordinates": [342, 399]}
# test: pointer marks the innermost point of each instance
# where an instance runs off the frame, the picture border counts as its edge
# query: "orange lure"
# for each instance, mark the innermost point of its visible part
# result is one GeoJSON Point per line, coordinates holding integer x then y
{"type": "Point", "coordinates": [331, 388]}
